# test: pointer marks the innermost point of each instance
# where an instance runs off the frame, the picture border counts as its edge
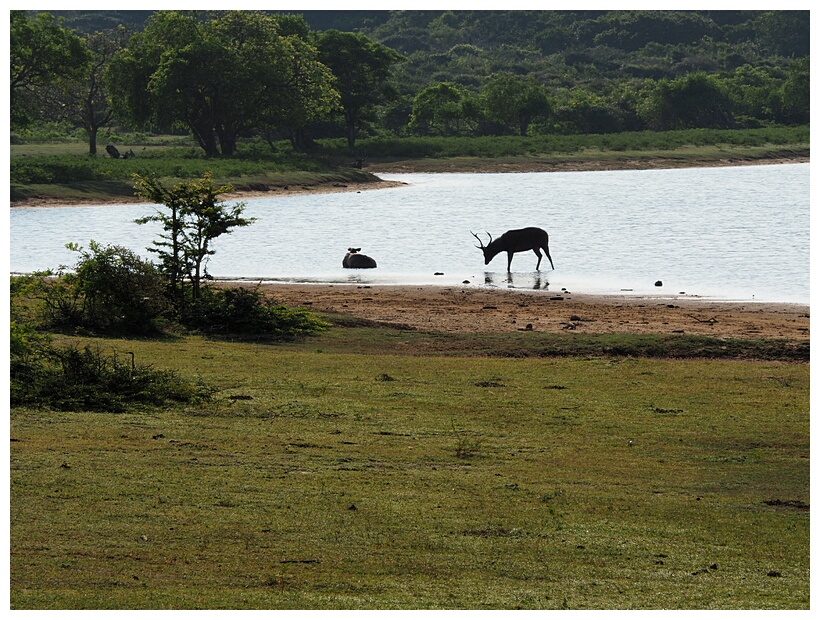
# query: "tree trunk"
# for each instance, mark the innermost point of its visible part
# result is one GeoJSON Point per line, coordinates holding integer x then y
{"type": "Point", "coordinates": [350, 122]}
{"type": "Point", "coordinates": [351, 137]}
{"type": "Point", "coordinates": [92, 140]}
{"type": "Point", "coordinates": [269, 138]}
{"type": "Point", "coordinates": [195, 281]}
{"type": "Point", "coordinates": [523, 125]}
{"type": "Point", "coordinates": [205, 138]}
{"type": "Point", "coordinates": [301, 141]}
{"type": "Point", "coordinates": [227, 142]}
{"type": "Point", "coordinates": [177, 277]}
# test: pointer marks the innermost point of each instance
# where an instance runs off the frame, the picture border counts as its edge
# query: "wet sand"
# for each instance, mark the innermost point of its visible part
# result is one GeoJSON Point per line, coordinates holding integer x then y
{"type": "Point", "coordinates": [472, 309]}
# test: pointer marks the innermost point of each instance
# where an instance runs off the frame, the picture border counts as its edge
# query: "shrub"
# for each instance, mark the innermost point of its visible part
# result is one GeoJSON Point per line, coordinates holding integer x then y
{"type": "Point", "coordinates": [57, 169]}
{"type": "Point", "coordinates": [547, 142]}
{"type": "Point", "coordinates": [70, 379]}
{"type": "Point", "coordinates": [26, 347]}
{"type": "Point", "coordinates": [111, 290]}
{"type": "Point", "coordinates": [246, 312]}
{"type": "Point", "coordinates": [44, 298]}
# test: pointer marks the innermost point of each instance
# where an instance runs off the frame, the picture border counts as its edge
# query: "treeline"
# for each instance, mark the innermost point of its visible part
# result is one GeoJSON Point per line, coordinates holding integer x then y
{"type": "Point", "coordinates": [608, 71]}
{"type": "Point", "coordinates": [226, 76]}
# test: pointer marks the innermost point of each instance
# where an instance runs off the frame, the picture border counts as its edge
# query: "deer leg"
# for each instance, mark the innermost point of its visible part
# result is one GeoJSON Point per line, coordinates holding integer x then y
{"type": "Point", "coordinates": [509, 260]}
{"type": "Point", "coordinates": [538, 254]}
{"type": "Point", "coordinates": [547, 250]}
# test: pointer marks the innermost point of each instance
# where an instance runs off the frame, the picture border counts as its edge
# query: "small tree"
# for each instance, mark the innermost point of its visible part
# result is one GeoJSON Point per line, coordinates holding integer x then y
{"type": "Point", "coordinates": [361, 68]}
{"type": "Point", "coordinates": [515, 102]}
{"type": "Point", "coordinates": [196, 217]}
{"type": "Point", "coordinates": [442, 108]}
{"type": "Point", "coordinates": [85, 99]}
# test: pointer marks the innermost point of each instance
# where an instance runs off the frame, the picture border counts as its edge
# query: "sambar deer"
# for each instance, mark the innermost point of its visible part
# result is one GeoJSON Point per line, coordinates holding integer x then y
{"type": "Point", "coordinates": [354, 260]}
{"type": "Point", "coordinates": [519, 240]}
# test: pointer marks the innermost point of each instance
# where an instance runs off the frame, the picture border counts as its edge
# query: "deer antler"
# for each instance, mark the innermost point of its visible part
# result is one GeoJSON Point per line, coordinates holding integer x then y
{"type": "Point", "coordinates": [480, 247]}
{"type": "Point", "coordinates": [490, 236]}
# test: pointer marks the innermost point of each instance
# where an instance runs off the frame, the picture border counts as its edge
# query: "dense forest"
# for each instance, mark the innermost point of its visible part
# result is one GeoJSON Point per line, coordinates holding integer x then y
{"type": "Point", "coordinates": [416, 73]}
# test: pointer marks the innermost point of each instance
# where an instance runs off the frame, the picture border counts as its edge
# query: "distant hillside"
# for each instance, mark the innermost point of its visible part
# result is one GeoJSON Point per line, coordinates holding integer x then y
{"type": "Point", "coordinates": [784, 33]}
{"type": "Point", "coordinates": [88, 22]}
{"type": "Point", "coordinates": [91, 21]}
{"type": "Point", "coordinates": [563, 48]}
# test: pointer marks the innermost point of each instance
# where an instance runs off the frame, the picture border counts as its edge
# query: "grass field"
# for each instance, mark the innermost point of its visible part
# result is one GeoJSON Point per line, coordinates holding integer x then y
{"type": "Point", "coordinates": [63, 171]}
{"type": "Point", "coordinates": [325, 478]}
{"type": "Point", "coordinates": [379, 468]}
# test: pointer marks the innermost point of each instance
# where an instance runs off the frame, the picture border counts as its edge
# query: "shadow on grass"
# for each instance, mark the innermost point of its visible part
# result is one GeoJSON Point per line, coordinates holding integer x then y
{"type": "Point", "coordinates": [374, 337]}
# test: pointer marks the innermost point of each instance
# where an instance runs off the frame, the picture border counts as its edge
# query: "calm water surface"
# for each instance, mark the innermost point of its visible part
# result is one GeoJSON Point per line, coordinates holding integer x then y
{"type": "Point", "coordinates": [729, 233]}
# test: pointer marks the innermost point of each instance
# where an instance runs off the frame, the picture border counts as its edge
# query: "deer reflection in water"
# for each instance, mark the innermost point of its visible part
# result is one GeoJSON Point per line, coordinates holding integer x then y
{"type": "Point", "coordinates": [533, 280]}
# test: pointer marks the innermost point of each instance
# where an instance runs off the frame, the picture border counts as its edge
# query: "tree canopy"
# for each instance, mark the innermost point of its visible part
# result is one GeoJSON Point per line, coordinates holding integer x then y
{"type": "Point", "coordinates": [514, 101]}
{"type": "Point", "coordinates": [444, 109]}
{"type": "Point", "coordinates": [219, 76]}
{"type": "Point", "coordinates": [228, 75]}
{"type": "Point", "coordinates": [42, 52]}
{"type": "Point", "coordinates": [361, 68]}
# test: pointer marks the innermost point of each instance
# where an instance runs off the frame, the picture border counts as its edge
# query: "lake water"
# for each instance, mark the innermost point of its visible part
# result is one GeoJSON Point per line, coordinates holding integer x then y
{"type": "Point", "coordinates": [739, 233]}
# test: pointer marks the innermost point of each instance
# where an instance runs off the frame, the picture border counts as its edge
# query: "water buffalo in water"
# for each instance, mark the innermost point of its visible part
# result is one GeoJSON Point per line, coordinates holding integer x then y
{"type": "Point", "coordinates": [354, 260]}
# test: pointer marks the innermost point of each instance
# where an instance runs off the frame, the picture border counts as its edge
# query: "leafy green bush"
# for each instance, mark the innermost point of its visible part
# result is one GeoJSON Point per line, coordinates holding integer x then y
{"type": "Point", "coordinates": [121, 292]}
{"type": "Point", "coordinates": [110, 290]}
{"type": "Point", "coordinates": [246, 312]}
{"type": "Point", "coordinates": [70, 379]}
{"type": "Point", "coordinates": [26, 347]}
{"type": "Point", "coordinates": [42, 375]}
{"type": "Point", "coordinates": [49, 131]}
{"type": "Point", "coordinates": [113, 291]}
{"type": "Point", "coordinates": [55, 169]}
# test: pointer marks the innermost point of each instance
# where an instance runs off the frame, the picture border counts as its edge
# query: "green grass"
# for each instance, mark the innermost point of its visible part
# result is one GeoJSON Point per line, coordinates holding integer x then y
{"type": "Point", "coordinates": [621, 145]}
{"type": "Point", "coordinates": [326, 478]}
{"type": "Point", "coordinates": [64, 171]}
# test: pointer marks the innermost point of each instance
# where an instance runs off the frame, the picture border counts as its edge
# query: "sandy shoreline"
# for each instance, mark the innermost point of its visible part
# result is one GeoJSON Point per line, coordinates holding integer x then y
{"type": "Point", "coordinates": [487, 165]}
{"type": "Point", "coordinates": [470, 309]}
{"type": "Point", "coordinates": [291, 190]}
